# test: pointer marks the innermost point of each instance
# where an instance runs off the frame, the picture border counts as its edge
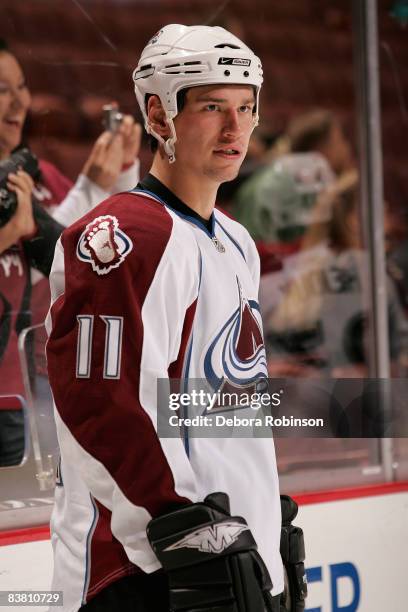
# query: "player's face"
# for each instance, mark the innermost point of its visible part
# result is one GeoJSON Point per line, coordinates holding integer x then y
{"type": "Point", "coordinates": [14, 103]}
{"type": "Point", "coordinates": [213, 130]}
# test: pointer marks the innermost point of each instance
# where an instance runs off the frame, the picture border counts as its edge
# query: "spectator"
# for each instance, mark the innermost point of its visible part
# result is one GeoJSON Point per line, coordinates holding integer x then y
{"type": "Point", "coordinates": [276, 204]}
{"type": "Point", "coordinates": [319, 319]}
{"type": "Point", "coordinates": [320, 131]}
{"type": "Point", "coordinates": [28, 239]}
{"type": "Point", "coordinates": [111, 167]}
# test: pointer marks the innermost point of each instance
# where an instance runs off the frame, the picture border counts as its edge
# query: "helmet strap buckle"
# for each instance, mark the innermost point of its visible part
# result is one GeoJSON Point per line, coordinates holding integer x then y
{"type": "Point", "coordinates": [168, 145]}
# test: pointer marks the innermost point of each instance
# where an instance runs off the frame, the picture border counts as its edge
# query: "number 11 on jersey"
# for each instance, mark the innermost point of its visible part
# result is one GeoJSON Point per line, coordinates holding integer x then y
{"type": "Point", "coordinates": [113, 346]}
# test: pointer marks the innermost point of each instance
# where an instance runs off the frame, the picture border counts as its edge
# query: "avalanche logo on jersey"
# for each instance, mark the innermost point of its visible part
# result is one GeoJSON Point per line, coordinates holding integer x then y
{"type": "Point", "coordinates": [235, 360]}
{"type": "Point", "coordinates": [211, 539]}
{"type": "Point", "coordinates": [103, 244]}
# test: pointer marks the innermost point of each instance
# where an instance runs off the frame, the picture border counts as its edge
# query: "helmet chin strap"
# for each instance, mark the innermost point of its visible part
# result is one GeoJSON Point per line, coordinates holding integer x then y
{"type": "Point", "coordinates": [168, 144]}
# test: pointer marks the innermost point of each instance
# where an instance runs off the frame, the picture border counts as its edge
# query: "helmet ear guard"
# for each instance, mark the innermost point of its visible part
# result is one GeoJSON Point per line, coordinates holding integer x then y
{"type": "Point", "coordinates": [168, 144]}
{"type": "Point", "coordinates": [169, 147]}
{"type": "Point", "coordinates": [180, 57]}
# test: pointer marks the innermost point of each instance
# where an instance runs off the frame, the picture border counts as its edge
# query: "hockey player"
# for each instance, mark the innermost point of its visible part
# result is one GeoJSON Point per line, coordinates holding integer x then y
{"type": "Point", "coordinates": [157, 284]}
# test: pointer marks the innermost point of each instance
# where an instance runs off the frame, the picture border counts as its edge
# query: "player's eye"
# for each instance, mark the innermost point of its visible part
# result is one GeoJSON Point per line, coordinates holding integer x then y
{"type": "Point", "coordinates": [245, 108]}
{"type": "Point", "coordinates": [211, 108]}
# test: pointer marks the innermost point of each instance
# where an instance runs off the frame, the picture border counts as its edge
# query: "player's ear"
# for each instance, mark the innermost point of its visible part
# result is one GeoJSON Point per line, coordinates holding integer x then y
{"type": "Point", "coordinates": [157, 116]}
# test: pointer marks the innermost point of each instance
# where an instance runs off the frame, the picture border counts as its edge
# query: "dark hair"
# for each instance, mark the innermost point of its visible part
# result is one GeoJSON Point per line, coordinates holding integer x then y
{"type": "Point", "coordinates": [310, 130]}
{"type": "Point", "coordinates": [181, 101]}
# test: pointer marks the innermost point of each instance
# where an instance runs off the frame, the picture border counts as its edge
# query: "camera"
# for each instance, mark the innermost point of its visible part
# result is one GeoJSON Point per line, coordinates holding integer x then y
{"type": "Point", "coordinates": [112, 117]}
{"type": "Point", "coordinates": [22, 159]}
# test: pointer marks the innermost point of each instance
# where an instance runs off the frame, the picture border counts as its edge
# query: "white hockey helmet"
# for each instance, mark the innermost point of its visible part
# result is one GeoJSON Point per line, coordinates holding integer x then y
{"type": "Point", "coordinates": [181, 56]}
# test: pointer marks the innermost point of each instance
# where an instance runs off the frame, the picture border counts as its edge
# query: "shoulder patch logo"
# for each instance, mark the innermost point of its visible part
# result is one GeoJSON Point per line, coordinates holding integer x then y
{"type": "Point", "coordinates": [103, 245]}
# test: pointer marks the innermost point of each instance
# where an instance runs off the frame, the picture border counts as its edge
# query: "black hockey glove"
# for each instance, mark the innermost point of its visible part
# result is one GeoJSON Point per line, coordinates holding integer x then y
{"type": "Point", "coordinates": [211, 559]}
{"type": "Point", "coordinates": [292, 549]}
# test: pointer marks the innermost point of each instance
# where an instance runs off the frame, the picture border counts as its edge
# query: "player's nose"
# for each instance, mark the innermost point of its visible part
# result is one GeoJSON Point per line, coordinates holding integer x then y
{"type": "Point", "coordinates": [231, 125]}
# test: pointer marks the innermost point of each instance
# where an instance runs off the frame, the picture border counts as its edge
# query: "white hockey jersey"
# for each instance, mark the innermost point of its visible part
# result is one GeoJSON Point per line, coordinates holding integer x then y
{"type": "Point", "coordinates": [141, 292]}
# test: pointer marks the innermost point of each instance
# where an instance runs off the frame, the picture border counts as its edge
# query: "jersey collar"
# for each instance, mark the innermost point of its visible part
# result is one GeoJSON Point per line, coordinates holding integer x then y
{"type": "Point", "coordinates": [152, 185]}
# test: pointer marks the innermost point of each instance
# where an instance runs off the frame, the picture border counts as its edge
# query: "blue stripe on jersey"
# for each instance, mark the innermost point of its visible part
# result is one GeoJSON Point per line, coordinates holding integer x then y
{"type": "Point", "coordinates": [180, 214]}
{"type": "Point", "coordinates": [231, 238]}
{"type": "Point", "coordinates": [186, 438]}
{"type": "Point", "coordinates": [88, 551]}
{"type": "Point", "coordinates": [254, 304]}
{"type": "Point", "coordinates": [150, 193]}
{"type": "Point", "coordinates": [201, 274]}
{"type": "Point", "coordinates": [186, 371]}
{"type": "Point", "coordinates": [185, 390]}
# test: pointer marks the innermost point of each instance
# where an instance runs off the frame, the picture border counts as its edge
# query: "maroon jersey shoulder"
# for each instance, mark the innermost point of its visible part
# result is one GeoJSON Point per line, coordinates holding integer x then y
{"type": "Point", "coordinates": [123, 224]}
{"type": "Point", "coordinates": [133, 211]}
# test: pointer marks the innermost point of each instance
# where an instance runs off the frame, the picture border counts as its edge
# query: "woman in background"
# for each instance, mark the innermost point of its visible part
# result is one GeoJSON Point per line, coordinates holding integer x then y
{"type": "Point", "coordinates": [28, 239]}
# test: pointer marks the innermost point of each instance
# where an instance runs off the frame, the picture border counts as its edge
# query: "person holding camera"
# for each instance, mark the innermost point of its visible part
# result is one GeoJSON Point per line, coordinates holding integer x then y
{"type": "Point", "coordinates": [45, 203]}
{"type": "Point", "coordinates": [112, 165]}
